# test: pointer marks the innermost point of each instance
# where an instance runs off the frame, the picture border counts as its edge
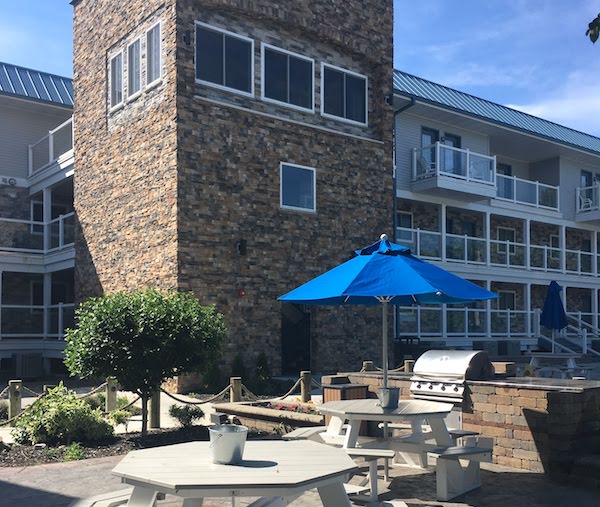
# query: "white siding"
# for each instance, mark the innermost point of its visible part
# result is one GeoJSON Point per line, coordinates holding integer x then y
{"type": "Point", "coordinates": [570, 179]}
{"type": "Point", "coordinates": [519, 168]}
{"type": "Point", "coordinates": [20, 127]}
{"type": "Point", "coordinates": [408, 137]}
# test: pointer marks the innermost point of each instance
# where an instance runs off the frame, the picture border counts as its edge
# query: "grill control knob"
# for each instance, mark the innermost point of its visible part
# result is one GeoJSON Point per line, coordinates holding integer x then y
{"type": "Point", "coordinates": [443, 388]}
{"type": "Point", "coordinates": [418, 386]}
{"type": "Point", "coordinates": [430, 386]}
{"type": "Point", "coordinates": [455, 389]}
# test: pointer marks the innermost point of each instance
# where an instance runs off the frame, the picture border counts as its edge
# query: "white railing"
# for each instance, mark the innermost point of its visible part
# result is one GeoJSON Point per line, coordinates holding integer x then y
{"type": "Point", "coordinates": [50, 147]}
{"type": "Point", "coordinates": [588, 198]}
{"type": "Point", "coordinates": [463, 323]}
{"type": "Point", "coordinates": [30, 236]}
{"type": "Point", "coordinates": [31, 321]}
{"type": "Point", "coordinates": [530, 193]}
{"type": "Point", "coordinates": [441, 160]}
{"type": "Point", "coordinates": [465, 249]}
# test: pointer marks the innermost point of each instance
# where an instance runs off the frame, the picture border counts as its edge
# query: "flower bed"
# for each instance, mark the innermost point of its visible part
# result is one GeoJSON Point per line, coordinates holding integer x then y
{"type": "Point", "coordinates": [272, 415]}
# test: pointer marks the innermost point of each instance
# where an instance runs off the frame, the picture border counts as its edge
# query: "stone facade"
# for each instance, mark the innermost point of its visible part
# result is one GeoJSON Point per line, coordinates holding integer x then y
{"type": "Point", "coordinates": [169, 184]}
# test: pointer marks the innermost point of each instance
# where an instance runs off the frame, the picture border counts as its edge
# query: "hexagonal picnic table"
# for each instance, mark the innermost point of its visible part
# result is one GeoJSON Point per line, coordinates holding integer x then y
{"type": "Point", "coordinates": [276, 470]}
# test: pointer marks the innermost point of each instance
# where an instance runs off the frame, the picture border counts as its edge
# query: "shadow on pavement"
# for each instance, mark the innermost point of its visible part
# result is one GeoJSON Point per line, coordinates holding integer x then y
{"type": "Point", "coordinates": [17, 495]}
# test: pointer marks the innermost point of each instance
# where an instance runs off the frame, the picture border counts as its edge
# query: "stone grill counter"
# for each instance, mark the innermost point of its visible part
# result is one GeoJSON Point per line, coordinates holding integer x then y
{"type": "Point", "coordinates": [538, 424]}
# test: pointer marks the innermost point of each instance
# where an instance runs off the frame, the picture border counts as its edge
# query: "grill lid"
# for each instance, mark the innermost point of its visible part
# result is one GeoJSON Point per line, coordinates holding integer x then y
{"type": "Point", "coordinates": [454, 365]}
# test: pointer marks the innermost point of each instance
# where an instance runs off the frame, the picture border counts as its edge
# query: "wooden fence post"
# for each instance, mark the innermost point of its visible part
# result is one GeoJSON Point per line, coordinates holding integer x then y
{"type": "Point", "coordinates": [368, 366]}
{"type": "Point", "coordinates": [14, 398]}
{"type": "Point", "coordinates": [409, 365]}
{"type": "Point", "coordinates": [111, 395]}
{"type": "Point", "coordinates": [235, 389]}
{"type": "Point", "coordinates": [155, 409]}
{"type": "Point", "coordinates": [305, 386]}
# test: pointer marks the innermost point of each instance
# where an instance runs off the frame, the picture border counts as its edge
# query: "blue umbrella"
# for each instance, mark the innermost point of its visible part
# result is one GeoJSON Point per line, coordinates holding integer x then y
{"type": "Point", "coordinates": [553, 315]}
{"type": "Point", "coordinates": [385, 273]}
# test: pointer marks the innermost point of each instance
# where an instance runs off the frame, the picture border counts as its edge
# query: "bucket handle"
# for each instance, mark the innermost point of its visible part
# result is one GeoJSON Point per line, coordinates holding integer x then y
{"type": "Point", "coordinates": [213, 443]}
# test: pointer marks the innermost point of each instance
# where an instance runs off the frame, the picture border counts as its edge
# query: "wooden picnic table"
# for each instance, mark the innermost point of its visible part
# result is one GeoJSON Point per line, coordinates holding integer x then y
{"type": "Point", "coordinates": [275, 470]}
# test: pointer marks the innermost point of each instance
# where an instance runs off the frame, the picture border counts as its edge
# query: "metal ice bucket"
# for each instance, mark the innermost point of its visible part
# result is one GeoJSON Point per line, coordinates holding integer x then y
{"type": "Point", "coordinates": [227, 443]}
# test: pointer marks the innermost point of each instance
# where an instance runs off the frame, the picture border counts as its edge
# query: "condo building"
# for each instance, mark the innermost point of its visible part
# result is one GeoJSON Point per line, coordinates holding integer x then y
{"type": "Point", "coordinates": [238, 149]}
{"type": "Point", "coordinates": [37, 221]}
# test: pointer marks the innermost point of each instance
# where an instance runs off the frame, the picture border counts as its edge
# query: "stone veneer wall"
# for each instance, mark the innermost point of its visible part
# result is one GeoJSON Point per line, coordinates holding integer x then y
{"type": "Point", "coordinates": [125, 186]}
{"type": "Point", "coordinates": [229, 153]}
{"type": "Point", "coordinates": [537, 429]}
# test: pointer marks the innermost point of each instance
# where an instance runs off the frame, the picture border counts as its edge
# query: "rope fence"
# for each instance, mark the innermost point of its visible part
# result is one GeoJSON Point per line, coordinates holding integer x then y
{"type": "Point", "coordinates": [4, 393]}
{"type": "Point", "coordinates": [93, 391]}
{"type": "Point", "coordinates": [217, 396]}
{"type": "Point", "coordinates": [292, 389]}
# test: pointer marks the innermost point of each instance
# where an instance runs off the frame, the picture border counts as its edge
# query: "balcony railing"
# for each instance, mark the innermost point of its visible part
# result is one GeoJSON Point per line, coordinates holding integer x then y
{"type": "Point", "coordinates": [465, 249]}
{"type": "Point", "coordinates": [588, 198]}
{"type": "Point", "coordinates": [50, 147]}
{"type": "Point", "coordinates": [530, 193]}
{"type": "Point", "coordinates": [29, 236]}
{"type": "Point", "coordinates": [30, 321]}
{"type": "Point", "coordinates": [441, 160]}
{"type": "Point", "coordinates": [462, 322]}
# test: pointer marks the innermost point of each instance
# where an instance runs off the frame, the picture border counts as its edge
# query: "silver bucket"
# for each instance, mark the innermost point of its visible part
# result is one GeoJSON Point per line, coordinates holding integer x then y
{"type": "Point", "coordinates": [227, 443]}
{"type": "Point", "coordinates": [388, 397]}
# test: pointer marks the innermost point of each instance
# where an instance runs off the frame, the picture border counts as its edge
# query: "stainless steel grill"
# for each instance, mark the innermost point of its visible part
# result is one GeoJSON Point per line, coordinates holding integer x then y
{"type": "Point", "coordinates": [440, 375]}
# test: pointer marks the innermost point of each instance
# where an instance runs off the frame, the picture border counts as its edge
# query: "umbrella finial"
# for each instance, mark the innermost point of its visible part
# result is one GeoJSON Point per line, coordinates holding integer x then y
{"type": "Point", "coordinates": [383, 237]}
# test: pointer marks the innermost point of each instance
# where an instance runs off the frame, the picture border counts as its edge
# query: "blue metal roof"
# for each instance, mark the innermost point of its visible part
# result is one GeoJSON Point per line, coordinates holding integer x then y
{"type": "Point", "coordinates": [36, 85]}
{"type": "Point", "coordinates": [433, 93]}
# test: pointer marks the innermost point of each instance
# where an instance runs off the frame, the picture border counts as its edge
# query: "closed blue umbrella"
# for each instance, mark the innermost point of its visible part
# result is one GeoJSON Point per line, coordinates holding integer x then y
{"type": "Point", "coordinates": [385, 273]}
{"type": "Point", "coordinates": [553, 315]}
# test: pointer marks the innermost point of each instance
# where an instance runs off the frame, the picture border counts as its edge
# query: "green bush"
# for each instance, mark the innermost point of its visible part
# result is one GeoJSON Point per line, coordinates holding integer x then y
{"type": "Point", "coordinates": [60, 417]}
{"type": "Point", "coordinates": [119, 417]}
{"type": "Point", "coordinates": [74, 452]}
{"type": "Point", "coordinates": [98, 401]}
{"type": "Point", "coordinates": [3, 410]}
{"type": "Point", "coordinates": [186, 414]}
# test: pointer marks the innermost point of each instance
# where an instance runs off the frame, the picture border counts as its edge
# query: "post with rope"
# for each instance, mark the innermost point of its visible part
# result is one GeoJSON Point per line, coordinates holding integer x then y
{"type": "Point", "coordinates": [15, 388]}
{"type": "Point", "coordinates": [235, 389]}
{"type": "Point", "coordinates": [155, 409]}
{"type": "Point", "coordinates": [305, 386]}
{"type": "Point", "coordinates": [111, 395]}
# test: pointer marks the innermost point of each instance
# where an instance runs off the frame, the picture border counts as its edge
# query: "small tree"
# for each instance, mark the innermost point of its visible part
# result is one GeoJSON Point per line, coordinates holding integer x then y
{"type": "Point", "coordinates": [143, 338]}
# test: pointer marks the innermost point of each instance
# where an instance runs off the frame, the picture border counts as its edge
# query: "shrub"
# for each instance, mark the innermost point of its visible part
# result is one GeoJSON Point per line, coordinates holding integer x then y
{"type": "Point", "coordinates": [60, 417]}
{"type": "Point", "coordinates": [98, 401]}
{"type": "Point", "coordinates": [119, 417]}
{"type": "Point", "coordinates": [74, 452]}
{"type": "Point", "coordinates": [186, 414]}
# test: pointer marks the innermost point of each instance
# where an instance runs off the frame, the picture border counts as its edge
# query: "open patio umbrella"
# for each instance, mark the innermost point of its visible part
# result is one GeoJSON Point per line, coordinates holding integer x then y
{"type": "Point", "coordinates": [385, 273]}
{"type": "Point", "coordinates": [553, 315]}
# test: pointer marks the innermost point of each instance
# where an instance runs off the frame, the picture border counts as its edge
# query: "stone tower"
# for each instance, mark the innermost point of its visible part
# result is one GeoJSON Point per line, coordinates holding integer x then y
{"type": "Point", "coordinates": [235, 149]}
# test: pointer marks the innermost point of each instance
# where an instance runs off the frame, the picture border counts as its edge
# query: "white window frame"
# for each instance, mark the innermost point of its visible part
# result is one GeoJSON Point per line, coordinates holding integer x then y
{"type": "Point", "coordinates": [160, 57]}
{"type": "Point", "coordinates": [500, 247]}
{"type": "Point", "coordinates": [554, 254]}
{"type": "Point", "coordinates": [113, 107]}
{"type": "Point", "coordinates": [132, 96]}
{"type": "Point", "coordinates": [412, 223]}
{"type": "Point", "coordinates": [264, 46]}
{"type": "Point", "coordinates": [232, 34]}
{"type": "Point", "coordinates": [341, 118]}
{"type": "Point", "coordinates": [297, 208]}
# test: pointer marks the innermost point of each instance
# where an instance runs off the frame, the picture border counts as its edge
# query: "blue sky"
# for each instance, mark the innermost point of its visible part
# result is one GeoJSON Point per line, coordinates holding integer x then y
{"type": "Point", "coordinates": [529, 54]}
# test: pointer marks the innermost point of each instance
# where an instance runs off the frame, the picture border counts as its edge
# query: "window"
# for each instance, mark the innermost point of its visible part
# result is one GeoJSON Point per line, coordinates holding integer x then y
{"type": "Point", "coordinates": [505, 234]}
{"type": "Point", "coordinates": [134, 68]}
{"type": "Point", "coordinates": [555, 244]}
{"type": "Point", "coordinates": [224, 59]}
{"type": "Point", "coordinates": [153, 55]}
{"type": "Point", "coordinates": [37, 215]}
{"type": "Point", "coordinates": [287, 78]}
{"type": "Point", "coordinates": [344, 94]}
{"type": "Point", "coordinates": [405, 221]}
{"type": "Point", "coordinates": [297, 187]}
{"type": "Point", "coordinates": [116, 80]}
{"type": "Point", "coordinates": [507, 299]}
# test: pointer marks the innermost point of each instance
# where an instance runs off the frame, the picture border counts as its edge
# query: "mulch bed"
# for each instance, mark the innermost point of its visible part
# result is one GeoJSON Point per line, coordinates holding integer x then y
{"type": "Point", "coordinates": [25, 455]}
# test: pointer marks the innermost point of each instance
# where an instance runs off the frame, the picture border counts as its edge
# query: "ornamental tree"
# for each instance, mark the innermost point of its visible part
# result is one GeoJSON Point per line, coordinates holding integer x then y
{"type": "Point", "coordinates": [143, 338]}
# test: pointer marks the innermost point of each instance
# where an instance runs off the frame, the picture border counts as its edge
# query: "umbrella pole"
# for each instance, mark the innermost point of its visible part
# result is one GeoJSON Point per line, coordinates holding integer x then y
{"type": "Point", "coordinates": [553, 338]}
{"type": "Point", "coordinates": [385, 343]}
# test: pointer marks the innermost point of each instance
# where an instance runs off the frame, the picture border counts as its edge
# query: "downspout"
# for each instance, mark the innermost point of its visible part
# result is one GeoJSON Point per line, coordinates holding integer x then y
{"type": "Point", "coordinates": [395, 207]}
